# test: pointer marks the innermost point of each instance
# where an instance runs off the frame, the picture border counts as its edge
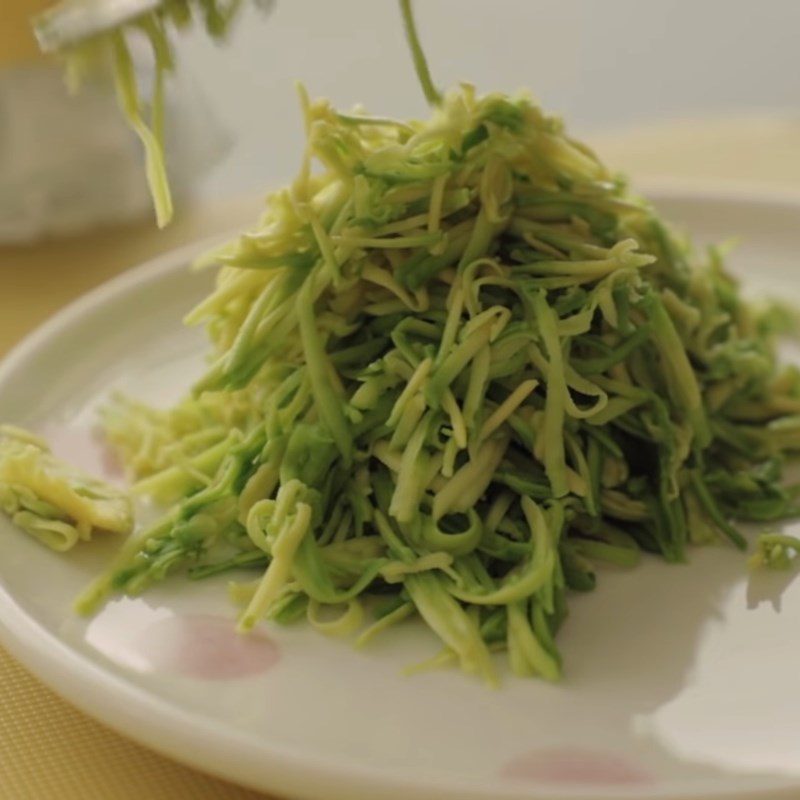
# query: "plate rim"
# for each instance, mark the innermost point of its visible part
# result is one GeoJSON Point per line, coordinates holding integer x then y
{"type": "Point", "coordinates": [191, 737]}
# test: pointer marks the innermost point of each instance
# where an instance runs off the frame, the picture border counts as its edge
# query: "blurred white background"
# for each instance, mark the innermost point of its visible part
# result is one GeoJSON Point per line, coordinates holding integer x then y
{"type": "Point", "coordinates": [604, 64]}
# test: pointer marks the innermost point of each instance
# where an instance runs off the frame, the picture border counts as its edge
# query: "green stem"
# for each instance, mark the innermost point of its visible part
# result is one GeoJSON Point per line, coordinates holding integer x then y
{"type": "Point", "coordinates": [432, 94]}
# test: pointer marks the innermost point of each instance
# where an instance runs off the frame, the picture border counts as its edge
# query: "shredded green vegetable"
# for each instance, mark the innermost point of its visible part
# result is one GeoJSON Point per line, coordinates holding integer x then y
{"type": "Point", "coordinates": [113, 47]}
{"type": "Point", "coordinates": [52, 501]}
{"type": "Point", "coordinates": [455, 365]}
{"type": "Point", "coordinates": [776, 551]}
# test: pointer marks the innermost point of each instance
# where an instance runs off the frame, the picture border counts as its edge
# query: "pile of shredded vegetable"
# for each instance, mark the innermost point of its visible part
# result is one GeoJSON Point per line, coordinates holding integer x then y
{"type": "Point", "coordinates": [455, 365]}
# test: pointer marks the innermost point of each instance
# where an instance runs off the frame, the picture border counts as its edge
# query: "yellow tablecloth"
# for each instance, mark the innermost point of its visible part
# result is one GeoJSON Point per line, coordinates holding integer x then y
{"type": "Point", "coordinates": [50, 751]}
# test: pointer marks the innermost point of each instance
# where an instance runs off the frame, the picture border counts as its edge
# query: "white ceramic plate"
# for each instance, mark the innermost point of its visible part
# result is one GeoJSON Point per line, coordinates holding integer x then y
{"type": "Point", "coordinates": [681, 681]}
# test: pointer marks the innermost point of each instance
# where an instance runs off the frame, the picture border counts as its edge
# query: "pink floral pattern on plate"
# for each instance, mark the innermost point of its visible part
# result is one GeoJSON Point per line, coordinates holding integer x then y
{"type": "Point", "coordinates": [576, 765]}
{"type": "Point", "coordinates": [206, 647]}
